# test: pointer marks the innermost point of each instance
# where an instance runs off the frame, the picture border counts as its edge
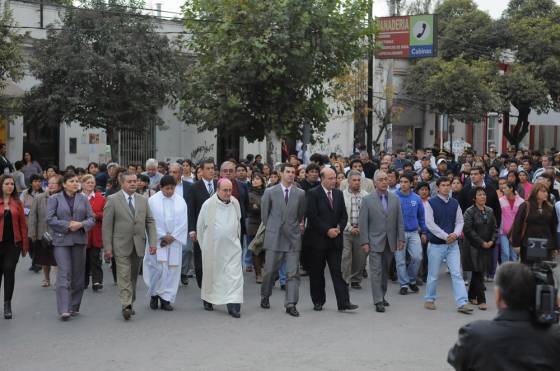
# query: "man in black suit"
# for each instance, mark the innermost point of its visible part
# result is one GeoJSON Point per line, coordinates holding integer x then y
{"type": "Point", "coordinates": [511, 341]}
{"type": "Point", "coordinates": [183, 189]}
{"type": "Point", "coordinates": [326, 219]}
{"type": "Point", "coordinates": [200, 192]}
{"type": "Point", "coordinates": [5, 164]}
{"type": "Point", "coordinates": [477, 180]}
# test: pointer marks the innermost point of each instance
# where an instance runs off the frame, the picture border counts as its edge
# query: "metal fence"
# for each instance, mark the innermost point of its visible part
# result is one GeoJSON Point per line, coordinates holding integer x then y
{"type": "Point", "coordinates": [136, 147]}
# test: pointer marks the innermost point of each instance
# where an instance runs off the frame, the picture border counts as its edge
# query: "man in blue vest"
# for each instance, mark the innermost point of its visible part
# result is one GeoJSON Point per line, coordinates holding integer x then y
{"type": "Point", "coordinates": [444, 220]}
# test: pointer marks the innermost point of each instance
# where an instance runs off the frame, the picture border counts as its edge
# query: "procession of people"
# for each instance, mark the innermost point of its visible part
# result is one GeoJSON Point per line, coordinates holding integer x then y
{"type": "Point", "coordinates": [391, 217]}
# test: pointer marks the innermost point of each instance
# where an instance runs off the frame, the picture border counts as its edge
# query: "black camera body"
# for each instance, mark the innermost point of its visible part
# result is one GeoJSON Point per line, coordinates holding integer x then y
{"type": "Point", "coordinates": [546, 310]}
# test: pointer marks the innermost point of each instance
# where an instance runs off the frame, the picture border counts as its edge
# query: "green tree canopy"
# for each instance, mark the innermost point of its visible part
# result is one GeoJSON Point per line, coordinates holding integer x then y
{"type": "Point", "coordinates": [265, 66]}
{"type": "Point", "coordinates": [104, 67]}
{"type": "Point", "coordinates": [11, 59]}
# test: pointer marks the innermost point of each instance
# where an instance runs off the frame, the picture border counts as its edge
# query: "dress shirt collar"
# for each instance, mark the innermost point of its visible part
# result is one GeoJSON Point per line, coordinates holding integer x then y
{"type": "Point", "coordinates": [445, 199]}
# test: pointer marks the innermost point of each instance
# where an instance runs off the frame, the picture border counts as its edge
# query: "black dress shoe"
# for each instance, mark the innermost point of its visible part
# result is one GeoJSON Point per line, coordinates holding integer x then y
{"type": "Point", "coordinates": [184, 279]}
{"type": "Point", "coordinates": [154, 302]}
{"type": "Point", "coordinates": [403, 290]}
{"type": "Point", "coordinates": [379, 307]}
{"type": "Point", "coordinates": [385, 303]}
{"type": "Point", "coordinates": [283, 287]}
{"type": "Point", "coordinates": [127, 312]}
{"type": "Point", "coordinates": [7, 310]}
{"type": "Point", "coordinates": [292, 311]}
{"type": "Point", "coordinates": [132, 311]}
{"type": "Point", "coordinates": [348, 306]}
{"type": "Point", "coordinates": [207, 306]}
{"type": "Point", "coordinates": [356, 285]}
{"type": "Point", "coordinates": [234, 310]}
{"type": "Point", "coordinates": [165, 305]}
{"type": "Point", "coordinates": [265, 304]}
{"type": "Point", "coordinates": [318, 307]}
{"type": "Point", "coordinates": [413, 287]}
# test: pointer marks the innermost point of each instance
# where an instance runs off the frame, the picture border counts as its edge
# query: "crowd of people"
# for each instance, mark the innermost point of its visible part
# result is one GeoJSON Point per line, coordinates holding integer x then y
{"type": "Point", "coordinates": [403, 214]}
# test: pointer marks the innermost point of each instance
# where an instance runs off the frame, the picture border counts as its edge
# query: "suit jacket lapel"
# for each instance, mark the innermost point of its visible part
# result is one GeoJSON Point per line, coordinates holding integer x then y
{"type": "Point", "coordinates": [125, 204]}
{"type": "Point", "coordinates": [380, 205]}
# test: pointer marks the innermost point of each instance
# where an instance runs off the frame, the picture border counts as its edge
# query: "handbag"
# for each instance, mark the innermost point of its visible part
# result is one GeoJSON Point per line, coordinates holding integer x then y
{"type": "Point", "coordinates": [47, 240]}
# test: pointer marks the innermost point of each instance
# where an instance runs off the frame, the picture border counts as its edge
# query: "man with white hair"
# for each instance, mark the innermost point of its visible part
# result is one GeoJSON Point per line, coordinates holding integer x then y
{"type": "Point", "coordinates": [152, 173]}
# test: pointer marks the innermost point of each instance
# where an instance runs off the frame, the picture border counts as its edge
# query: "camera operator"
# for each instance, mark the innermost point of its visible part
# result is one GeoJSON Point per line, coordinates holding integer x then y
{"type": "Point", "coordinates": [512, 341]}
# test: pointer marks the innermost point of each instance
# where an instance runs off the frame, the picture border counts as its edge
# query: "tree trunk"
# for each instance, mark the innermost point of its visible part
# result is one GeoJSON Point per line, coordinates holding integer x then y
{"type": "Point", "coordinates": [113, 141]}
{"type": "Point", "coordinates": [273, 148]}
{"type": "Point", "coordinates": [521, 128]}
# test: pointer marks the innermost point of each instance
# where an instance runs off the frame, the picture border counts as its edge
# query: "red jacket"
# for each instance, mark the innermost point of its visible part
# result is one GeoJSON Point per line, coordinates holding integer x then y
{"type": "Point", "coordinates": [18, 222]}
{"type": "Point", "coordinates": [94, 236]}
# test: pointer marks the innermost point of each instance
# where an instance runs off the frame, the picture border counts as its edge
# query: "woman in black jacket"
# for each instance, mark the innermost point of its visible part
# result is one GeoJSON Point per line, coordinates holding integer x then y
{"type": "Point", "coordinates": [477, 251]}
{"type": "Point", "coordinates": [258, 185]}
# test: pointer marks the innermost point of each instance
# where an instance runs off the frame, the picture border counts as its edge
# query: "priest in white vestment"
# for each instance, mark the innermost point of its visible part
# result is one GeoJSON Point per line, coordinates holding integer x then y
{"type": "Point", "coordinates": [218, 230]}
{"type": "Point", "coordinates": [162, 268]}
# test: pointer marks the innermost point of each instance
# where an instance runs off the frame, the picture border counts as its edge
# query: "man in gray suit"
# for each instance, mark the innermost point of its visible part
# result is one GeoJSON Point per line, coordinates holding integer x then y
{"type": "Point", "coordinates": [126, 220]}
{"type": "Point", "coordinates": [282, 213]}
{"type": "Point", "coordinates": [381, 233]}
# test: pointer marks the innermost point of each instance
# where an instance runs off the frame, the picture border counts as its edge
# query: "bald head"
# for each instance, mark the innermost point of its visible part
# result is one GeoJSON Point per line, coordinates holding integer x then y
{"type": "Point", "coordinates": [328, 178]}
{"type": "Point", "coordinates": [175, 170]}
{"type": "Point", "coordinates": [224, 189]}
{"type": "Point", "coordinates": [227, 170]}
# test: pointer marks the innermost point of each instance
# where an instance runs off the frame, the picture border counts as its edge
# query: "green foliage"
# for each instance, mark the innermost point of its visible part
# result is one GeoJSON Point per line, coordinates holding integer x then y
{"type": "Point", "coordinates": [266, 65]}
{"type": "Point", "coordinates": [464, 31]}
{"type": "Point", "coordinates": [463, 90]}
{"type": "Point", "coordinates": [11, 61]}
{"type": "Point", "coordinates": [107, 68]}
{"type": "Point", "coordinates": [11, 52]}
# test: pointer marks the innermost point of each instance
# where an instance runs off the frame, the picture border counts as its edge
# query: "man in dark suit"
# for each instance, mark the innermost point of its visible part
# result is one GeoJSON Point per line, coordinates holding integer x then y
{"type": "Point", "coordinates": [511, 341]}
{"type": "Point", "coordinates": [326, 219]}
{"type": "Point", "coordinates": [477, 180]}
{"type": "Point", "coordinates": [5, 164]}
{"type": "Point", "coordinates": [198, 193]}
{"type": "Point", "coordinates": [183, 189]}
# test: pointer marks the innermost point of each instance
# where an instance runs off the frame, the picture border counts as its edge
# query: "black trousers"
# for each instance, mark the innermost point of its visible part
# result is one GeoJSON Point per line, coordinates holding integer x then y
{"type": "Point", "coordinates": [114, 269]}
{"type": "Point", "coordinates": [93, 266]}
{"type": "Point", "coordinates": [9, 257]}
{"type": "Point", "coordinates": [476, 287]}
{"type": "Point", "coordinates": [318, 258]}
{"type": "Point", "coordinates": [197, 255]}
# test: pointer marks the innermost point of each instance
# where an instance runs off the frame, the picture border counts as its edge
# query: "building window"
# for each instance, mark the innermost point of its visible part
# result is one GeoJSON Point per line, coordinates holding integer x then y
{"type": "Point", "coordinates": [491, 133]}
{"type": "Point", "coordinates": [73, 146]}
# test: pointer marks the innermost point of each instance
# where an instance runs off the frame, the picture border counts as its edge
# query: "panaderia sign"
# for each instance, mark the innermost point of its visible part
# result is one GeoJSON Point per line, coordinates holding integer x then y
{"type": "Point", "coordinates": [406, 37]}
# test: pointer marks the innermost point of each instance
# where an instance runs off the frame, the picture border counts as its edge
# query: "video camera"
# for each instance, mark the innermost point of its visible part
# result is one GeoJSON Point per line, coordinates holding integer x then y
{"type": "Point", "coordinates": [546, 310]}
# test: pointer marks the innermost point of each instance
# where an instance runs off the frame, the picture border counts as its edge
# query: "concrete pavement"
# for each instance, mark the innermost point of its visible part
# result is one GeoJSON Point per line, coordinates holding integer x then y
{"type": "Point", "coordinates": [406, 337]}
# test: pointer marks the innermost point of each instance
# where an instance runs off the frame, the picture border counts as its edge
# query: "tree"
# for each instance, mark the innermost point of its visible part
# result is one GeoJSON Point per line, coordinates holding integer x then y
{"type": "Point", "coordinates": [265, 68]}
{"type": "Point", "coordinates": [11, 60]}
{"type": "Point", "coordinates": [104, 67]}
{"type": "Point", "coordinates": [465, 91]}
{"type": "Point", "coordinates": [531, 81]}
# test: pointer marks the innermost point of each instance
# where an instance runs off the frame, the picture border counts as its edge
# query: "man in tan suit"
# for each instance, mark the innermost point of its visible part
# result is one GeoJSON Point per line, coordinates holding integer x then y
{"type": "Point", "coordinates": [126, 220]}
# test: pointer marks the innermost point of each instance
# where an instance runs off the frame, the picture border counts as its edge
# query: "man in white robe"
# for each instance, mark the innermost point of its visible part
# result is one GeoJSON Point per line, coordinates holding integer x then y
{"type": "Point", "coordinates": [218, 230]}
{"type": "Point", "coordinates": [162, 268]}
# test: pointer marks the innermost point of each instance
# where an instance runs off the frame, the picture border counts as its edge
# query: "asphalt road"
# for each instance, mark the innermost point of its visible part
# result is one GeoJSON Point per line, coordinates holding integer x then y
{"type": "Point", "coordinates": [406, 337]}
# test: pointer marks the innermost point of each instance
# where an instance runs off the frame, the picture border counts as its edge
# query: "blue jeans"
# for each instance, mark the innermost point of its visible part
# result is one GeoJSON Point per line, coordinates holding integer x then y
{"type": "Point", "coordinates": [413, 245]}
{"type": "Point", "coordinates": [247, 254]}
{"type": "Point", "coordinates": [282, 273]}
{"type": "Point", "coordinates": [436, 254]}
{"type": "Point", "coordinates": [507, 251]}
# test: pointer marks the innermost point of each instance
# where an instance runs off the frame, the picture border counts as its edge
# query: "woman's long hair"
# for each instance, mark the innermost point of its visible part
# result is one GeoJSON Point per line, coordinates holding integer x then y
{"type": "Point", "coordinates": [14, 194]}
{"type": "Point", "coordinates": [532, 200]}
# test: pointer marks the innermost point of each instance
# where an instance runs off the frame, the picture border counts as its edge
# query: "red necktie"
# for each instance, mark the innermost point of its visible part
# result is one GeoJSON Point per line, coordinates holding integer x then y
{"type": "Point", "coordinates": [329, 195]}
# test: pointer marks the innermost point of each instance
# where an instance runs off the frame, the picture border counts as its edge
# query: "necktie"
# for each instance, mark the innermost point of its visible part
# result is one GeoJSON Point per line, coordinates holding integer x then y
{"type": "Point", "coordinates": [329, 195]}
{"type": "Point", "coordinates": [210, 188]}
{"type": "Point", "coordinates": [384, 202]}
{"type": "Point", "coordinates": [286, 193]}
{"type": "Point", "coordinates": [130, 206]}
